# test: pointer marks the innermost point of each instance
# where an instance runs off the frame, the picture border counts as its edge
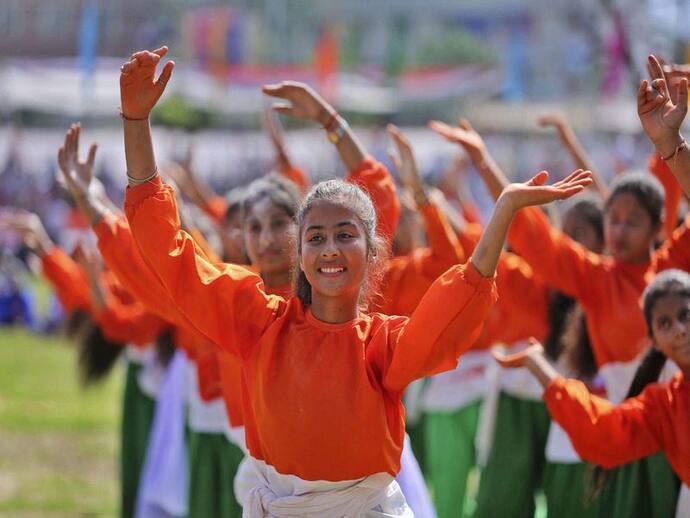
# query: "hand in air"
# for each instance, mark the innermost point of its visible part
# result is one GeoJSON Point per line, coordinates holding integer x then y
{"type": "Point", "coordinates": [77, 174]}
{"type": "Point", "coordinates": [534, 192]}
{"type": "Point", "coordinates": [139, 87]}
{"type": "Point", "coordinates": [555, 120]}
{"type": "Point", "coordinates": [464, 134]}
{"type": "Point", "coordinates": [662, 107]}
{"type": "Point", "coordinates": [520, 359]}
{"type": "Point", "coordinates": [28, 227]}
{"type": "Point", "coordinates": [405, 161]}
{"type": "Point", "coordinates": [302, 101]}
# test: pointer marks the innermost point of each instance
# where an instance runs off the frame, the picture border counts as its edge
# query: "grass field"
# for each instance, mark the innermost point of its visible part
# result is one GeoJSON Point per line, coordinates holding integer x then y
{"type": "Point", "coordinates": [58, 442]}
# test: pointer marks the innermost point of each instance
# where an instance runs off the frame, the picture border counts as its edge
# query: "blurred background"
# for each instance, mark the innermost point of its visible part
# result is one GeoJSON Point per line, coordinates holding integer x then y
{"type": "Point", "coordinates": [500, 63]}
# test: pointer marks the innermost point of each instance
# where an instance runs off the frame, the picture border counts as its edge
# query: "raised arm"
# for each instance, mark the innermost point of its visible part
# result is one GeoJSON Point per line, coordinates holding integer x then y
{"type": "Point", "coordinates": [303, 102]}
{"type": "Point", "coordinates": [575, 149]}
{"type": "Point", "coordinates": [450, 316]}
{"type": "Point", "coordinates": [226, 304]}
{"type": "Point", "coordinates": [285, 165]}
{"type": "Point", "coordinates": [601, 433]}
{"type": "Point", "coordinates": [662, 109]}
{"type": "Point", "coordinates": [472, 142]}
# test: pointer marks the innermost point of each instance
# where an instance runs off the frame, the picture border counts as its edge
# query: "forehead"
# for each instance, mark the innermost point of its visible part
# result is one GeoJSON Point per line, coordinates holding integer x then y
{"type": "Point", "coordinates": [264, 208]}
{"type": "Point", "coordinates": [327, 214]}
{"type": "Point", "coordinates": [669, 305]}
{"type": "Point", "coordinates": [626, 202]}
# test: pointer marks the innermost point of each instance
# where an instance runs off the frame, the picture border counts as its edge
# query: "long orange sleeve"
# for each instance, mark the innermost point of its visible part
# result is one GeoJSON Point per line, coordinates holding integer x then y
{"type": "Point", "coordinates": [324, 399]}
{"type": "Point", "coordinates": [128, 323]}
{"type": "Point", "coordinates": [607, 290]}
{"type": "Point", "coordinates": [374, 178]}
{"type": "Point", "coordinates": [407, 278]}
{"type": "Point", "coordinates": [675, 251]}
{"type": "Point", "coordinates": [672, 188]}
{"type": "Point", "coordinates": [67, 279]}
{"type": "Point", "coordinates": [608, 435]}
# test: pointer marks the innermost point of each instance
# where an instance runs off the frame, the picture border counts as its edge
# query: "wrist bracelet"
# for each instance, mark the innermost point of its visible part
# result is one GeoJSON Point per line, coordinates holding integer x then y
{"type": "Point", "coordinates": [679, 148]}
{"type": "Point", "coordinates": [139, 181]}
{"type": "Point", "coordinates": [124, 117]}
{"type": "Point", "coordinates": [337, 133]}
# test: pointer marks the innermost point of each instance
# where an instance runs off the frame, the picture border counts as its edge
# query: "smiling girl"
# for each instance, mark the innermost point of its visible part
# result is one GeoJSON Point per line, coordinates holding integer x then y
{"type": "Point", "coordinates": [322, 380]}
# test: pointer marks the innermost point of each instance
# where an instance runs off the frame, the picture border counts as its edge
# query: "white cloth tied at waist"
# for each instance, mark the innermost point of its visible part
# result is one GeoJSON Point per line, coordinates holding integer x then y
{"type": "Point", "coordinates": [152, 371]}
{"type": "Point", "coordinates": [287, 496]}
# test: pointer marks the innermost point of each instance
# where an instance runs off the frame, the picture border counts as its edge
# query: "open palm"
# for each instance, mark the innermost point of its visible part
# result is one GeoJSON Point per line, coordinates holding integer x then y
{"type": "Point", "coordinates": [78, 174]}
{"type": "Point", "coordinates": [405, 161]}
{"type": "Point", "coordinates": [534, 192]}
{"type": "Point", "coordinates": [139, 88]}
{"type": "Point", "coordinates": [519, 359]}
{"type": "Point", "coordinates": [302, 100]}
{"type": "Point", "coordinates": [660, 112]}
{"type": "Point", "coordinates": [463, 134]}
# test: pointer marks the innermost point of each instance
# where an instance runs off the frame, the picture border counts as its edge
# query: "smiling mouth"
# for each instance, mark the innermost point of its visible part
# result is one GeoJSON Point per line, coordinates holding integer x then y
{"type": "Point", "coordinates": [331, 270]}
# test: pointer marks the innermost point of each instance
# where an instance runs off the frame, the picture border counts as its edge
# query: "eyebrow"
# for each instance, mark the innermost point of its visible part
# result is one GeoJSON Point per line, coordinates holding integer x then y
{"type": "Point", "coordinates": [337, 225]}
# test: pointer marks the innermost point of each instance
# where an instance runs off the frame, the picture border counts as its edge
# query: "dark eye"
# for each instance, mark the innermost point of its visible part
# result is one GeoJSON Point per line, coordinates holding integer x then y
{"type": "Point", "coordinates": [663, 323]}
{"type": "Point", "coordinates": [684, 315]}
{"type": "Point", "coordinates": [344, 235]}
{"type": "Point", "coordinates": [316, 238]}
{"type": "Point", "coordinates": [254, 228]}
{"type": "Point", "coordinates": [278, 223]}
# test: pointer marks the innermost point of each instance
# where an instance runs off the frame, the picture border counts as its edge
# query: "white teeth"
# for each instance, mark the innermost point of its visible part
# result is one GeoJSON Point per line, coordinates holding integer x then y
{"type": "Point", "coordinates": [331, 270]}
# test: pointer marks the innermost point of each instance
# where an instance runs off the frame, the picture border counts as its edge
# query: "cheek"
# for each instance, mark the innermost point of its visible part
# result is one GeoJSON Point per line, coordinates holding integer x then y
{"type": "Point", "coordinates": [251, 244]}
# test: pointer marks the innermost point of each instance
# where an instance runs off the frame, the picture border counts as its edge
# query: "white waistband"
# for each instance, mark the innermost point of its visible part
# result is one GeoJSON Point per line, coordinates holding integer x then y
{"type": "Point", "coordinates": [283, 496]}
{"type": "Point", "coordinates": [452, 390]}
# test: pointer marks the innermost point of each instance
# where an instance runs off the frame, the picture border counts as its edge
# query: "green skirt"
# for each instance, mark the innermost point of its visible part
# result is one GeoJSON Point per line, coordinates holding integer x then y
{"type": "Point", "coordinates": [213, 462]}
{"type": "Point", "coordinates": [137, 415]}
{"type": "Point", "coordinates": [450, 456]}
{"type": "Point", "coordinates": [513, 471]}
{"type": "Point", "coordinates": [566, 488]}
{"type": "Point", "coordinates": [647, 488]}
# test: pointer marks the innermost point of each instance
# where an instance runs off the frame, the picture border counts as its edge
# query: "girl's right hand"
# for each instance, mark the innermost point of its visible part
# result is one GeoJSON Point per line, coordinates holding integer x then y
{"type": "Point", "coordinates": [302, 101]}
{"type": "Point", "coordinates": [139, 90]}
{"type": "Point", "coordinates": [661, 113]}
{"type": "Point", "coordinates": [520, 359]}
{"type": "Point", "coordinates": [534, 192]}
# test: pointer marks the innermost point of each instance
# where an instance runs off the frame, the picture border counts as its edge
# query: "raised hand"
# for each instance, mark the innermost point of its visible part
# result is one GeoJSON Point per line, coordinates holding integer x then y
{"type": "Point", "coordinates": [661, 110]}
{"type": "Point", "coordinates": [30, 229]}
{"type": "Point", "coordinates": [302, 101]}
{"type": "Point", "coordinates": [139, 88]}
{"type": "Point", "coordinates": [556, 120]}
{"type": "Point", "coordinates": [464, 134]}
{"type": "Point", "coordinates": [78, 174]}
{"type": "Point", "coordinates": [406, 164]}
{"type": "Point", "coordinates": [520, 359]}
{"type": "Point", "coordinates": [534, 192]}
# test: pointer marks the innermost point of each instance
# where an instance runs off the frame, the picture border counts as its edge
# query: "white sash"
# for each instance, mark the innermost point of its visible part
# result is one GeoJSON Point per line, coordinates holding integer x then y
{"type": "Point", "coordinates": [286, 496]}
{"type": "Point", "coordinates": [683, 507]}
{"type": "Point", "coordinates": [453, 390]}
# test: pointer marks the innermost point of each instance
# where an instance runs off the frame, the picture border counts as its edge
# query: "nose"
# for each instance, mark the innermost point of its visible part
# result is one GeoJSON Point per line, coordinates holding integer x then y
{"type": "Point", "coordinates": [680, 329]}
{"type": "Point", "coordinates": [330, 249]}
{"type": "Point", "coordinates": [265, 237]}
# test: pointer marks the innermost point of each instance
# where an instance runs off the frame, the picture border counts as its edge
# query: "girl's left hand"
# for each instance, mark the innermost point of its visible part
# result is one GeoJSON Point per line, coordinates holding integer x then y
{"type": "Point", "coordinates": [534, 192]}
{"type": "Point", "coordinates": [77, 174]}
{"type": "Point", "coordinates": [139, 88]}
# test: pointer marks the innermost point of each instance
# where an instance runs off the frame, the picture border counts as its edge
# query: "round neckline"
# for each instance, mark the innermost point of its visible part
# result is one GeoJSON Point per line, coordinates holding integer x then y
{"type": "Point", "coordinates": [327, 326]}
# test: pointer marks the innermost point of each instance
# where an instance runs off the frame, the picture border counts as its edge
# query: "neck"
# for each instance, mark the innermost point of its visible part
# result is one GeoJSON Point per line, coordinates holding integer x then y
{"type": "Point", "coordinates": [276, 279]}
{"type": "Point", "coordinates": [333, 310]}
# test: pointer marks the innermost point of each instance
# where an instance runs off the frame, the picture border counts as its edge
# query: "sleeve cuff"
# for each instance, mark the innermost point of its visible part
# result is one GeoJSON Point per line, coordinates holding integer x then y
{"type": "Point", "coordinates": [476, 279]}
{"type": "Point", "coordinates": [136, 194]}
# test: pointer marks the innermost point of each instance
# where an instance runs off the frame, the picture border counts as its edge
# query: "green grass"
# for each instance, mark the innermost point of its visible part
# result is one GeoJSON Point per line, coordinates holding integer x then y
{"type": "Point", "coordinates": [58, 441]}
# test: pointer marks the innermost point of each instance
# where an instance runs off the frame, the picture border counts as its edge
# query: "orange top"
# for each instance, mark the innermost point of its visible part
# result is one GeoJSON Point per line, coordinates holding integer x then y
{"type": "Point", "coordinates": [608, 290]}
{"type": "Point", "coordinates": [672, 188]}
{"type": "Point", "coordinates": [122, 320]}
{"type": "Point", "coordinates": [67, 279]}
{"type": "Point", "coordinates": [407, 278]}
{"type": "Point", "coordinates": [120, 253]}
{"type": "Point", "coordinates": [373, 177]}
{"type": "Point", "coordinates": [522, 310]}
{"type": "Point", "coordinates": [324, 399]}
{"type": "Point", "coordinates": [608, 435]}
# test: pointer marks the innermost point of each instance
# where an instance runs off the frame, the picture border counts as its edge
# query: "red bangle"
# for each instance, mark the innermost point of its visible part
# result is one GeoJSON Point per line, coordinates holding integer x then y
{"type": "Point", "coordinates": [679, 148]}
